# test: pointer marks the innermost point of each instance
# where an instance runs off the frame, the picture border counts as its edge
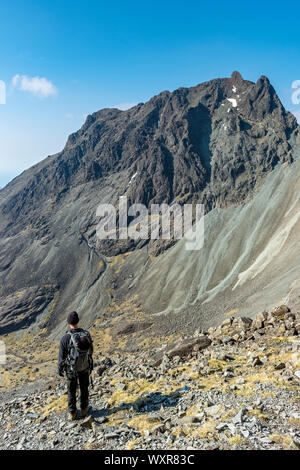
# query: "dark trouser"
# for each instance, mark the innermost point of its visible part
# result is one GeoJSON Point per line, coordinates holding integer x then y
{"type": "Point", "coordinates": [83, 379]}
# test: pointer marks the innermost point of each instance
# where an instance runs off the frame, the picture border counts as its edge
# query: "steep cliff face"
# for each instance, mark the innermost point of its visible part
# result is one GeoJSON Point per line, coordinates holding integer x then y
{"type": "Point", "coordinates": [212, 143]}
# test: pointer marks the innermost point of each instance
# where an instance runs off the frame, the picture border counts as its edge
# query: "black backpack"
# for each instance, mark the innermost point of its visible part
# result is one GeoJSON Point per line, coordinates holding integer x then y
{"type": "Point", "coordinates": [79, 357]}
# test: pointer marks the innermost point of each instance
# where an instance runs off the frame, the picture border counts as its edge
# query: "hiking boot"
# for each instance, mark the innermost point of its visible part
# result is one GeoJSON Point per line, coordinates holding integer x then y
{"type": "Point", "coordinates": [84, 411]}
{"type": "Point", "coordinates": [73, 415]}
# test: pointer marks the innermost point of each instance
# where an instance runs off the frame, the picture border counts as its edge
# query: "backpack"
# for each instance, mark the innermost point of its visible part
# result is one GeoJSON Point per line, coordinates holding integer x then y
{"type": "Point", "coordinates": [79, 357]}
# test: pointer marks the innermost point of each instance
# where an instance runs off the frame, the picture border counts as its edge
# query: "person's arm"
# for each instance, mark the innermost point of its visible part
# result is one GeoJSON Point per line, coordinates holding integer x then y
{"type": "Point", "coordinates": [92, 346]}
{"type": "Point", "coordinates": [63, 351]}
{"type": "Point", "coordinates": [91, 354]}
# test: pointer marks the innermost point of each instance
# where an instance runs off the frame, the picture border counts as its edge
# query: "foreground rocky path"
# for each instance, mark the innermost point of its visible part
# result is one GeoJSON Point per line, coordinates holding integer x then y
{"type": "Point", "coordinates": [236, 387]}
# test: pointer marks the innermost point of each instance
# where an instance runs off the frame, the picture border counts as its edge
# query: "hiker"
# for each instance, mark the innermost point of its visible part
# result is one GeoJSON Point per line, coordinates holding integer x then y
{"type": "Point", "coordinates": [75, 359]}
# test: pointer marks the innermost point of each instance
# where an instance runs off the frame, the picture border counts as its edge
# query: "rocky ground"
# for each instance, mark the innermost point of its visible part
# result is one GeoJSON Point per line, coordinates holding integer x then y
{"type": "Point", "coordinates": [233, 387]}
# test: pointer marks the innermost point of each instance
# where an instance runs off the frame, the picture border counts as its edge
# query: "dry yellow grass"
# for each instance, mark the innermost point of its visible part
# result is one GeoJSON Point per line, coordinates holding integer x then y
{"type": "Point", "coordinates": [295, 422]}
{"type": "Point", "coordinates": [118, 261]}
{"type": "Point", "coordinates": [101, 265]}
{"type": "Point", "coordinates": [143, 424]}
{"type": "Point", "coordinates": [192, 411]}
{"type": "Point", "coordinates": [235, 440]}
{"type": "Point", "coordinates": [231, 313]}
{"type": "Point", "coordinates": [228, 414]}
{"type": "Point", "coordinates": [57, 405]}
{"type": "Point", "coordinates": [257, 413]}
{"type": "Point", "coordinates": [217, 364]}
{"type": "Point", "coordinates": [206, 430]}
{"type": "Point", "coordinates": [283, 440]}
{"type": "Point", "coordinates": [131, 445]}
{"type": "Point", "coordinates": [140, 387]}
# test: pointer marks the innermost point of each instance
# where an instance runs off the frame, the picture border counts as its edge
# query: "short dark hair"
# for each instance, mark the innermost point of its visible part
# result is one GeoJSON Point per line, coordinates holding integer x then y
{"type": "Point", "coordinates": [73, 318]}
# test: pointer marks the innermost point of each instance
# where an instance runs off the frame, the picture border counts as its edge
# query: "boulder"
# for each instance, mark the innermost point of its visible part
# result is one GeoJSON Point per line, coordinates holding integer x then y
{"type": "Point", "coordinates": [259, 321]}
{"type": "Point", "coordinates": [297, 327]}
{"type": "Point", "coordinates": [271, 319]}
{"type": "Point", "coordinates": [186, 346]}
{"type": "Point", "coordinates": [244, 323]}
{"type": "Point", "coordinates": [280, 310]}
{"type": "Point", "coordinates": [227, 323]}
{"type": "Point", "coordinates": [281, 329]}
{"type": "Point", "coordinates": [181, 348]}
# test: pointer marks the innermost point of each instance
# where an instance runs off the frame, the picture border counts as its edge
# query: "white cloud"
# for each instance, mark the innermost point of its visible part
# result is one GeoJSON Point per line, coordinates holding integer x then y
{"type": "Point", "coordinates": [124, 106]}
{"type": "Point", "coordinates": [40, 87]}
{"type": "Point", "coordinates": [297, 114]}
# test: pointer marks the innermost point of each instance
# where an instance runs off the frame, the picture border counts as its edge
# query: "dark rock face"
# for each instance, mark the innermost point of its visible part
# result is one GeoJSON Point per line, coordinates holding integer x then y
{"type": "Point", "coordinates": [20, 308]}
{"type": "Point", "coordinates": [211, 144]}
{"type": "Point", "coordinates": [192, 143]}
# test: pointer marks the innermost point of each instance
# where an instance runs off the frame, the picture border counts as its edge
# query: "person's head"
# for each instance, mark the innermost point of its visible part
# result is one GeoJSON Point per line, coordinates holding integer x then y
{"type": "Point", "coordinates": [73, 319]}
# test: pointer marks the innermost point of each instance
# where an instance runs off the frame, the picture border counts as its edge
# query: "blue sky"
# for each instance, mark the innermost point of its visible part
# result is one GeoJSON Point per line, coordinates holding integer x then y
{"type": "Point", "coordinates": [96, 54]}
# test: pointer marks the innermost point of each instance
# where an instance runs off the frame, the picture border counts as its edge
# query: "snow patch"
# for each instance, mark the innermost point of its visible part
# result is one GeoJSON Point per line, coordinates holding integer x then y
{"type": "Point", "coordinates": [132, 178]}
{"type": "Point", "coordinates": [233, 102]}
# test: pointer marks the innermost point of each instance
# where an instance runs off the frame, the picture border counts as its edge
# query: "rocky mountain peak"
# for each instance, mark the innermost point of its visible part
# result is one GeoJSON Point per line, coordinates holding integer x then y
{"type": "Point", "coordinates": [213, 143]}
{"type": "Point", "coordinates": [171, 142]}
{"type": "Point", "coordinates": [236, 77]}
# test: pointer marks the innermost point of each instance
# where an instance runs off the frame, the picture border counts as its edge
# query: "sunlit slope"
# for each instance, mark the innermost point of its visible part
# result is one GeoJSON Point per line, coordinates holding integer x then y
{"type": "Point", "coordinates": [251, 254]}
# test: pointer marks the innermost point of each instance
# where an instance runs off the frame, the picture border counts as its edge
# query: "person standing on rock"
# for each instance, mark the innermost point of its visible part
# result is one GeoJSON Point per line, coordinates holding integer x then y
{"type": "Point", "coordinates": [76, 360]}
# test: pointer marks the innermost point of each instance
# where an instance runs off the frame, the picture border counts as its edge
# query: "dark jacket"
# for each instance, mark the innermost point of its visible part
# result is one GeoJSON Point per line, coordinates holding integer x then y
{"type": "Point", "coordinates": [64, 349]}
